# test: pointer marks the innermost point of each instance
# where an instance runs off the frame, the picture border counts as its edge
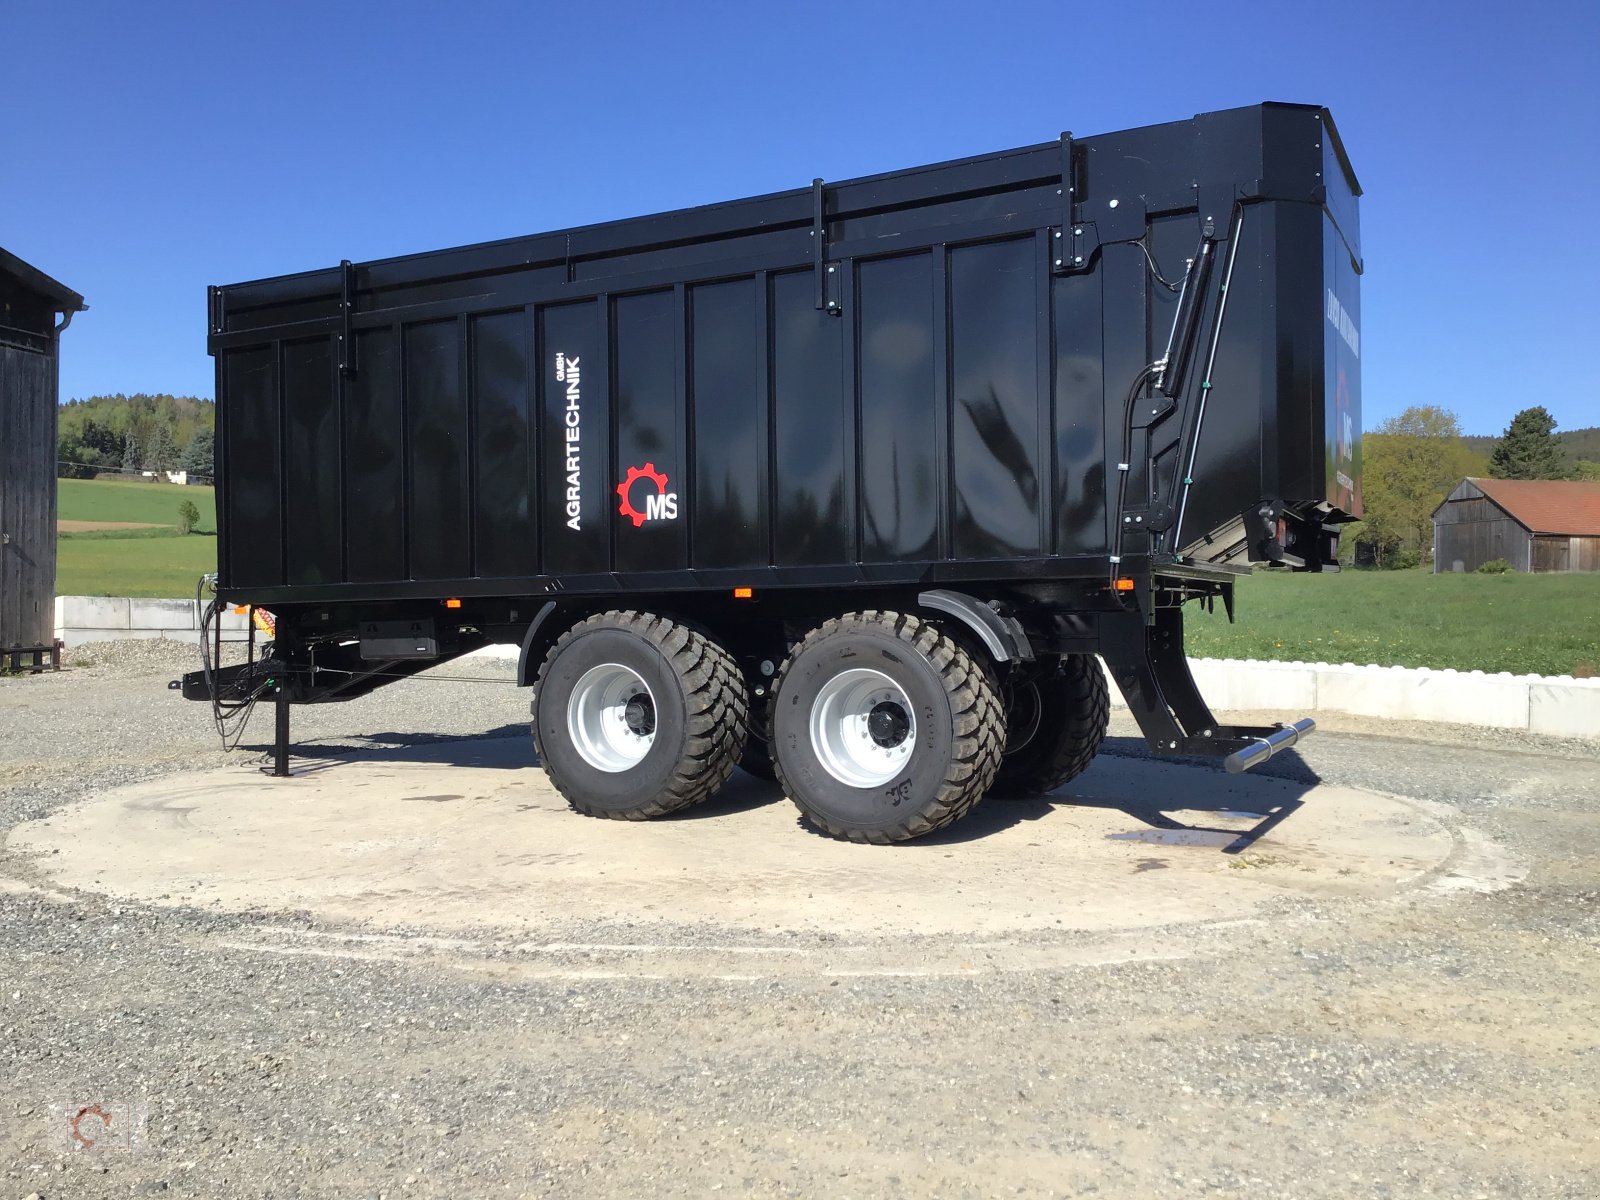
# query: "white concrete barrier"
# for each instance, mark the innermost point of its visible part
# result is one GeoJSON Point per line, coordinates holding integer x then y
{"type": "Point", "coordinates": [84, 619]}
{"type": "Point", "coordinates": [1558, 705]}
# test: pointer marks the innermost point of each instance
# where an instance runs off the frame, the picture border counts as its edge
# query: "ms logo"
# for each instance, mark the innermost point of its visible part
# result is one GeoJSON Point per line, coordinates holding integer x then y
{"type": "Point", "coordinates": [659, 504]}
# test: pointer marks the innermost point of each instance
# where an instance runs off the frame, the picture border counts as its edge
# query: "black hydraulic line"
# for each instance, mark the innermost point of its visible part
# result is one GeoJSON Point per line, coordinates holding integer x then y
{"type": "Point", "coordinates": [229, 715]}
{"type": "Point", "coordinates": [1168, 375]}
{"type": "Point", "coordinates": [1155, 271]}
{"type": "Point", "coordinates": [1139, 381]}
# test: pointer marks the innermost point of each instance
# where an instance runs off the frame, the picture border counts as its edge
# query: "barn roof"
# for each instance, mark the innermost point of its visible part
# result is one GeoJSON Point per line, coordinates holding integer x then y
{"type": "Point", "coordinates": [1557, 506]}
{"type": "Point", "coordinates": [35, 280]}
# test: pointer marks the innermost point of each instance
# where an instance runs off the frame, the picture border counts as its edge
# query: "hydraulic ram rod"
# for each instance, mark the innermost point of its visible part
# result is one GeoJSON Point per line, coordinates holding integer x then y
{"type": "Point", "coordinates": [1264, 748]}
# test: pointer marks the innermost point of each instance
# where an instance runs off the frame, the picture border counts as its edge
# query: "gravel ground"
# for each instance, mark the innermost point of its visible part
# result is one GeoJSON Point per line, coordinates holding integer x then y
{"type": "Point", "coordinates": [1435, 1044]}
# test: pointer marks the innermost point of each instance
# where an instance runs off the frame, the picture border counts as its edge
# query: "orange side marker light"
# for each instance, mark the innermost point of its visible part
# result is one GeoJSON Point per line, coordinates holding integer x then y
{"type": "Point", "coordinates": [743, 593]}
{"type": "Point", "coordinates": [452, 604]}
{"type": "Point", "coordinates": [1124, 585]}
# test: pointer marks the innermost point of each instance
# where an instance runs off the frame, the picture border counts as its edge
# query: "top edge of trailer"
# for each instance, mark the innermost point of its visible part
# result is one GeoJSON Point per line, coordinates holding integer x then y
{"type": "Point", "coordinates": [790, 208]}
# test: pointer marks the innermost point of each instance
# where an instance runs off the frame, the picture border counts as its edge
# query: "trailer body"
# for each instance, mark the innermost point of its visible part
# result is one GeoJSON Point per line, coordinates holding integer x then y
{"type": "Point", "coordinates": [1042, 396]}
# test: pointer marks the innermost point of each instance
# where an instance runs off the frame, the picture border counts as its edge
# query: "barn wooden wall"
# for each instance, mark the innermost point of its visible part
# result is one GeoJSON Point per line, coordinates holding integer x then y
{"type": "Point", "coordinates": [1552, 553]}
{"type": "Point", "coordinates": [1475, 531]}
{"type": "Point", "coordinates": [27, 495]}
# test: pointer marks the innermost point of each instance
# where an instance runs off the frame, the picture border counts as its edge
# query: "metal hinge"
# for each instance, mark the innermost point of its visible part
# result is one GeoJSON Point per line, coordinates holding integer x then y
{"type": "Point", "coordinates": [827, 273]}
{"type": "Point", "coordinates": [347, 306]}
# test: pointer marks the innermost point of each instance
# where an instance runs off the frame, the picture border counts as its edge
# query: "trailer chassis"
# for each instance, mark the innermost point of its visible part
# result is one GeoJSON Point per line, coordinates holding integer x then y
{"type": "Point", "coordinates": [317, 655]}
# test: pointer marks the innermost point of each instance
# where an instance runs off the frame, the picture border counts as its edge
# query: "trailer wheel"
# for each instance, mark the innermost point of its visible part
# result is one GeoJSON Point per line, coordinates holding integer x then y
{"type": "Point", "coordinates": [637, 716]}
{"type": "Point", "coordinates": [884, 729]}
{"type": "Point", "coordinates": [1057, 720]}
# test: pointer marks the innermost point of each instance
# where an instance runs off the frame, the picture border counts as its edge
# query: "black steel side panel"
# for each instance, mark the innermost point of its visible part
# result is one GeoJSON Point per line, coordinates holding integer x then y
{"type": "Point", "coordinates": [812, 427]}
{"type": "Point", "coordinates": [934, 388]}
{"type": "Point", "coordinates": [374, 462]}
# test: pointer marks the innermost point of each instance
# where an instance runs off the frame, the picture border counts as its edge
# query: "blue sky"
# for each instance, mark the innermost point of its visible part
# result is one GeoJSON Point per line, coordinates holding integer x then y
{"type": "Point", "coordinates": [163, 147]}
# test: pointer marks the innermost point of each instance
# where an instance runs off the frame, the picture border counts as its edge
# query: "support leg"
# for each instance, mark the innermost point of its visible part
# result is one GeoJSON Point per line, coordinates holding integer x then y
{"type": "Point", "coordinates": [280, 741]}
{"type": "Point", "coordinates": [1149, 666]}
{"type": "Point", "coordinates": [1171, 666]}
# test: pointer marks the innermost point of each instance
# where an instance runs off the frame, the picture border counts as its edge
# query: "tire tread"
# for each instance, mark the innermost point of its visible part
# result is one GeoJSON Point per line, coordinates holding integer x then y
{"type": "Point", "coordinates": [1086, 703]}
{"type": "Point", "coordinates": [714, 724]}
{"type": "Point", "coordinates": [978, 724]}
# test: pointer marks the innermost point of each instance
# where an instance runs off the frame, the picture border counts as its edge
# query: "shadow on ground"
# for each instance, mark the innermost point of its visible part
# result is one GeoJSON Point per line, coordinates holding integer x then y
{"type": "Point", "coordinates": [1270, 794]}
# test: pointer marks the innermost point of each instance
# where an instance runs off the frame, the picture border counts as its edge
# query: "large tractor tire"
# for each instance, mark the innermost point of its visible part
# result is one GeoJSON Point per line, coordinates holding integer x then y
{"type": "Point", "coordinates": [1056, 720]}
{"type": "Point", "coordinates": [884, 729]}
{"type": "Point", "coordinates": [636, 716]}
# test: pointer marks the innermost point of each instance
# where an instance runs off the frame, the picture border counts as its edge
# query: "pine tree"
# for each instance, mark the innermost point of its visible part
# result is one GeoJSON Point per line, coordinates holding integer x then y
{"type": "Point", "coordinates": [199, 454]}
{"type": "Point", "coordinates": [130, 453]}
{"type": "Point", "coordinates": [1529, 448]}
{"type": "Point", "coordinates": [162, 452]}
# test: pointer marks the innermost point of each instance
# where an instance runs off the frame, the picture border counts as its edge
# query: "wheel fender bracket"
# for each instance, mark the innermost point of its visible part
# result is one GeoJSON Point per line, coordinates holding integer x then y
{"type": "Point", "coordinates": [1003, 636]}
{"type": "Point", "coordinates": [533, 647]}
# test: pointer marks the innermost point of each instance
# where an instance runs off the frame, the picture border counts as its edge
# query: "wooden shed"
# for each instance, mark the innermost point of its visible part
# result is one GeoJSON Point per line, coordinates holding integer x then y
{"type": "Point", "coordinates": [1534, 524]}
{"type": "Point", "coordinates": [30, 335]}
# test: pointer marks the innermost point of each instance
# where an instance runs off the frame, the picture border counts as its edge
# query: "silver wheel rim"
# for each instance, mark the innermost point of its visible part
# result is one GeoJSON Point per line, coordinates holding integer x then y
{"type": "Point", "coordinates": [598, 718]}
{"type": "Point", "coordinates": [856, 734]}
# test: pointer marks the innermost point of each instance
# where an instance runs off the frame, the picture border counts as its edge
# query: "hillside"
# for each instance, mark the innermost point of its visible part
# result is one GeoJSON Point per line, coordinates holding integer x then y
{"type": "Point", "coordinates": [1579, 443]}
{"type": "Point", "coordinates": [129, 433]}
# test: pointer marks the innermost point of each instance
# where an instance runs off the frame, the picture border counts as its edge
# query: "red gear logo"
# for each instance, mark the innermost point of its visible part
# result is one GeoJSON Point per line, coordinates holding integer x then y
{"type": "Point", "coordinates": [635, 474]}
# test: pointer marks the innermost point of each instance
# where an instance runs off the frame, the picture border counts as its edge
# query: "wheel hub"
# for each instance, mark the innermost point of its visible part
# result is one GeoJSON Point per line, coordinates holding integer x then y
{"type": "Point", "coordinates": [640, 714]}
{"type": "Point", "coordinates": [1024, 715]}
{"type": "Point", "coordinates": [611, 718]}
{"type": "Point", "coordinates": [862, 728]}
{"type": "Point", "coordinates": [888, 724]}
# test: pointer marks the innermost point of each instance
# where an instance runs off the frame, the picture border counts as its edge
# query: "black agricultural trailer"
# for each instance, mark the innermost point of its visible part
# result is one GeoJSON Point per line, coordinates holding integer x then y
{"type": "Point", "coordinates": [848, 485]}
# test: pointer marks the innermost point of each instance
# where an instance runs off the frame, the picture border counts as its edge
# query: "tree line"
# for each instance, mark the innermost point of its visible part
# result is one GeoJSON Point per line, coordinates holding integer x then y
{"type": "Point", "coordinates": [129, 434]}
{"type": "Point", "coordinates": [1411, 462]}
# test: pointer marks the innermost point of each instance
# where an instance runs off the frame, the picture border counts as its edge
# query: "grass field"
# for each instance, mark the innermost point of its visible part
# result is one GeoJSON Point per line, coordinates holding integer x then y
{"type": "Point", "coordinates": [108, 566]}
{"type": "Point", "coordinates": [1544, 624]}
{"type": "Point", "coordinates": [152, 561]}
{"type": "Point", "coordinates": [115, 500]}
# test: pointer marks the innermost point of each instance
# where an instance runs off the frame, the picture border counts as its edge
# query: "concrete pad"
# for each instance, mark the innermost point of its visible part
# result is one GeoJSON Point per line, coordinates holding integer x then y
{"type": "Point", "coordinates": [467, 844]}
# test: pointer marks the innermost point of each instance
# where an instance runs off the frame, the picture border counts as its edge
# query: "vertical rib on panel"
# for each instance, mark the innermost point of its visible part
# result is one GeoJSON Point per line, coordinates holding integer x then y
{"type": "Point", "coordinates": [503, 527]}
{"type": "Point", "coordinates": [255, 520]}
{"type": "Point", "coordinates": [436, 444]}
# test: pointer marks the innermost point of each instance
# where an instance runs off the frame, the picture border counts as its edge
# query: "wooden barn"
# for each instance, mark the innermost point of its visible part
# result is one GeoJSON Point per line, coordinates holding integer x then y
{"type": "Point", "coordinates": [1534, 524]}
{"type": "Point", "coordinates": [30, 335]}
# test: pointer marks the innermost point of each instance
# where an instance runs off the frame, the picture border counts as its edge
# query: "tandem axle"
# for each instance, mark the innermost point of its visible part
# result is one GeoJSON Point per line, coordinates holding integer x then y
{"type": "Point", "coordinates": [915, 704]}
